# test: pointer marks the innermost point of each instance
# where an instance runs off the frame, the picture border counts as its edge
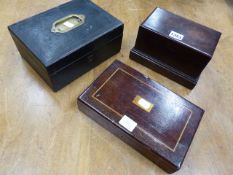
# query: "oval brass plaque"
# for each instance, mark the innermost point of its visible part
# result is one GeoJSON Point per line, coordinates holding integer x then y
{"type": "Point", "coordinates": [68, 23]}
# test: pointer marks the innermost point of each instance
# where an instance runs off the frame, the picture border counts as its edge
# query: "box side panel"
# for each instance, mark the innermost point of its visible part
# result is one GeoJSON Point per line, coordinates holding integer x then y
{"type": "Point", "coordinates": [32, 60]}
{"type": "Point", "coordinates": [162, 163]}
{"type": "Point", "coordinates": [186, 60]}
{"type": "Point", "coordinates": [89, 61]}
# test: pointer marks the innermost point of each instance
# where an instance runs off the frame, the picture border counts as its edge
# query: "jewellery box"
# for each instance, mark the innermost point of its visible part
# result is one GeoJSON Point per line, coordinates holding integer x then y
{"type": "Point", "coordinates": [174, 46]}
{"type": "Point", "coordinates": [63, 43]}
{"type": "Point", "coordinates": [147, 116]}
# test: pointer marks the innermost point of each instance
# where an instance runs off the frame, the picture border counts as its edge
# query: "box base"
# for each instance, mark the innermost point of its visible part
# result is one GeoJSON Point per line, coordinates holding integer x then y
{"type": "Point", "coordinates": [162, 68]}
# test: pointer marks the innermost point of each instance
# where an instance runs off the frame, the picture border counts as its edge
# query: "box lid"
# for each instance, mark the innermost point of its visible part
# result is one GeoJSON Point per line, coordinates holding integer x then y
{"type": "Point", "coordinates": [53, 49]}
{"type": "Point", "coordinates": [150, 113]}
{"type": "Point", "coordinates": [183, 31]}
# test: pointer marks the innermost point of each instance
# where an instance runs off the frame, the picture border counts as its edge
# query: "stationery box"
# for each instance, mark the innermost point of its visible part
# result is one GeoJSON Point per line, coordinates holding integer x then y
{"type": "Point", "coordinates": [174, 46]}
{"type": "Point", "coordinates": [63, 43]}
{"type": "Point", "coordinates": [147, 116]}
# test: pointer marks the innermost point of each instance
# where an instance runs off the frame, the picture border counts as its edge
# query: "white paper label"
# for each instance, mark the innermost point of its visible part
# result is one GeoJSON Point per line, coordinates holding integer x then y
{"type": "Point", "coordinates": [128, 123]}
{"type": "Point", "coordinates": [176, 35]}
{"type": "Point", "coordinates": [145, 104]}
{"type": "Point", "coordinates": [68, 24]}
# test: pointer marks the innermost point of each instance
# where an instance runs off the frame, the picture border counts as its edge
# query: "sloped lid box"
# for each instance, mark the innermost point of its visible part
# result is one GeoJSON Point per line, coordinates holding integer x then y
{"type": "Point", "coordinates": [63, 43]}
{"type": "Point", "coordinates": [174, 46]}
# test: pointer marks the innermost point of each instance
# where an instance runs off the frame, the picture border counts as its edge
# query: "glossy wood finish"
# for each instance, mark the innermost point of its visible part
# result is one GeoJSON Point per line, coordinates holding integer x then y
{"type": "Point", "coordinates": [43, 133]}
{"type": "Point", "coordinates": [181, 59]}
{"type": "Point", "coordinates": [165, 132]}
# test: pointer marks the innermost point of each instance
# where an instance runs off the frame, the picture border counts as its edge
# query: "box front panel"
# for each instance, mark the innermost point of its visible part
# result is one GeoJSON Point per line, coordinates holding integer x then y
{"type": "Point", "coordinates": [86, 63]}
{"type": "Point", "coordinates": [166, 165]}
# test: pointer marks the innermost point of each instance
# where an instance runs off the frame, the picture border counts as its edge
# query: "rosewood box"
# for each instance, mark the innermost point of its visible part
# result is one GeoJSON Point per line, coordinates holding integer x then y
{"type": "Point", "coordinates": [147, 116]}
{"type": "Point", "coordinates": [174, 46]}
{"type": "Point", "coordinates": [63, 43]}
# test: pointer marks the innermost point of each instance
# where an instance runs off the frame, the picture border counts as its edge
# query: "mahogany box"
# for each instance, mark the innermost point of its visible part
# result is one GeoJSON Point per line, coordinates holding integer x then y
{"type": "Point", "coordinates": [174, 46]}
{"type": "Point", "coordinates": [147, 116]}
{"type": "Point", "coordinates": [63, 43]}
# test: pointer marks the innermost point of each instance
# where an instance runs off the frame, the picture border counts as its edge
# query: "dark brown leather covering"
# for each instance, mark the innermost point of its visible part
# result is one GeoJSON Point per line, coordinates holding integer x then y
{"type": "Point", "coordinates": [174, 46]}
{"type": "Point", "coordinates": [162, 134]}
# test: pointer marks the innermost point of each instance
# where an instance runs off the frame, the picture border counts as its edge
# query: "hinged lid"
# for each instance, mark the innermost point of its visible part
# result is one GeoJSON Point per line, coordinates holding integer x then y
{"type": "Point", "coordinates": [183, 31]}
{"type": "Point", "coordinates": [64, 34]}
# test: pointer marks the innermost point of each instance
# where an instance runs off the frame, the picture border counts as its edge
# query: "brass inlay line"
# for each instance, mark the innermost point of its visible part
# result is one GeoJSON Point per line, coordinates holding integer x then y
{"type": "Point", "coordinates": [120, 115]}
{"type": "Point", "coordinates": [105, 82]}
{"type": "Point", "coordinates": [107, 106]}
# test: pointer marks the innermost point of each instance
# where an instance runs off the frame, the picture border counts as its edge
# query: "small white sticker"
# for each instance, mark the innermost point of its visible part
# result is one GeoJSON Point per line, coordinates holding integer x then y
{"type": "Point", "coordinates": [128, 123]}
{"type": "Point", "coordinates": [68, 24]}
{"type": "Point", "coordinates": [176, 35]}
{"type": "Point", "coordinates": [145, 104]}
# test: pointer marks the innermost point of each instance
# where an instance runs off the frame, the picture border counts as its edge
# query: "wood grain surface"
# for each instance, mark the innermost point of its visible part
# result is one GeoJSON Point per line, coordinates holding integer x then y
{"type": "Point", "coordinates": [44, 133]}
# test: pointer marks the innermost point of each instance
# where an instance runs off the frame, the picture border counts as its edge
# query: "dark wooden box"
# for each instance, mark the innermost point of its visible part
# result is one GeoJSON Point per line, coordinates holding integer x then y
{"type": "Point", "coordinates": [147, 116]}
{"type": "Point", "coordinates": [63, 43]}
{"type": "Point", "coordinates": [174, 46]}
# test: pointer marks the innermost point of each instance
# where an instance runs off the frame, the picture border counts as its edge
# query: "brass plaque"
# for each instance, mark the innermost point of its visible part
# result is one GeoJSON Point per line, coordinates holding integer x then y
{"type": "Point", "coordinates": [68, 23]}
{"type": "Point", "coordinates": [143, 103]}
